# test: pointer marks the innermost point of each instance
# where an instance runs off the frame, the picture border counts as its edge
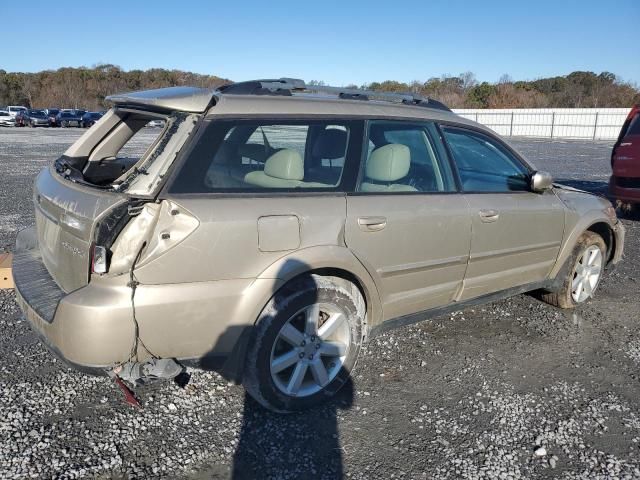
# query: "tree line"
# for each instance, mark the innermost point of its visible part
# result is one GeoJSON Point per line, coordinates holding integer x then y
{"type": "Point", "coordinates": [575, 90]}
{"type": "Point", "coordinates": [87, 88]}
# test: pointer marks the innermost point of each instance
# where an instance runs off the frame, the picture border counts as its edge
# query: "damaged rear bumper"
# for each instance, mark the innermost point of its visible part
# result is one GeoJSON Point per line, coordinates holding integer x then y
{"type": "Point", "coordinates": [38, 296]}
{"type": "Point", "coordinates": [92, 330]}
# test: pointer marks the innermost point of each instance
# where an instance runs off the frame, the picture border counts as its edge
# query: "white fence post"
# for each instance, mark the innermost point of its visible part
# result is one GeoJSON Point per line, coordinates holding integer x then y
{"type": "Point", "coordinates": [511, 126]}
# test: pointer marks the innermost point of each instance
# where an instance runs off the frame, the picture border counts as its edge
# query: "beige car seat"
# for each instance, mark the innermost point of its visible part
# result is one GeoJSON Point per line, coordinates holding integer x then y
{"type": "Point", "coordinates": [283, 169]}
{"type": "Point", "coordinates": [386, 165]}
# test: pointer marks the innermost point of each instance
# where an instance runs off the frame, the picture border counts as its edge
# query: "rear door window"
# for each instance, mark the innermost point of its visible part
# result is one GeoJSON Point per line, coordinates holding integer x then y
{"type": "Point", "coordinates": [262, 155]}
{"type": "Point", "coordinates": [403, 157]}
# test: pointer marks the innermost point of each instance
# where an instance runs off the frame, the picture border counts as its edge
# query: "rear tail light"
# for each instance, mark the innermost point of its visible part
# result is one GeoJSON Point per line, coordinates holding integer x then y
{"type": "Point", "coordinates": [99, 259]}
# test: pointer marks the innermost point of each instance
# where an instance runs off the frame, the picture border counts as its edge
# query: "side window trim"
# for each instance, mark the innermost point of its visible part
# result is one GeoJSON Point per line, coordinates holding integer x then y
{"type": "Point", "coordinates": [514, 156]}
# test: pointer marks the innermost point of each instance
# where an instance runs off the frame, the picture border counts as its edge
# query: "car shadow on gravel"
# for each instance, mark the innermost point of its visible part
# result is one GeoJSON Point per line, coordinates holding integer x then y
{"type": "Point", "coordinates": [299, 445]}
{"type": "Point", "coordinates": [303, 444]}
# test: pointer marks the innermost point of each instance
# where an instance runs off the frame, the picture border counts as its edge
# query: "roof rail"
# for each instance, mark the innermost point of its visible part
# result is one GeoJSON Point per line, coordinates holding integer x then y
{"type": "Point", "coordinates": [277, 86]}
{"type": "Point", "coordinates": [289, 86]}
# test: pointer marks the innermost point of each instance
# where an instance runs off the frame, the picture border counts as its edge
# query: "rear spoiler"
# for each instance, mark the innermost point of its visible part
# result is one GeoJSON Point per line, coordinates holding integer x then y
{"type": "Point", "coordinates": [184, 99]}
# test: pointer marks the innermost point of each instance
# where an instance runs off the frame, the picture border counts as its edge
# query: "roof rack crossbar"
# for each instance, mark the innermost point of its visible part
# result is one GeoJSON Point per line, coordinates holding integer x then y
{"type": "Point", "coordinates": [290, 86]}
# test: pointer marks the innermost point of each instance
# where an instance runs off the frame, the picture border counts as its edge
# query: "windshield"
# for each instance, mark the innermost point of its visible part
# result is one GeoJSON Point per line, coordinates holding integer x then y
{"type": "Point", "coordinates": [36, 113]}
{"type": "Point", "coordinates": [53, 111]}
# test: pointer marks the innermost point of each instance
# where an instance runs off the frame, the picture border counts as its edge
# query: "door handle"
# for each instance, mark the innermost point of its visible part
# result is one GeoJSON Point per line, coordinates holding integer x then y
{"type": "Point", "coordinates": [489, 216]}
{"type": "Point", "coordinates": [372, 224]}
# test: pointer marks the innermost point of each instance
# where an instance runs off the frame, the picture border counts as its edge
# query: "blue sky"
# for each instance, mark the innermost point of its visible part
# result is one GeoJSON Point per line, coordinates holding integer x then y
{"type": "Point", "coordinates": [338, 42]}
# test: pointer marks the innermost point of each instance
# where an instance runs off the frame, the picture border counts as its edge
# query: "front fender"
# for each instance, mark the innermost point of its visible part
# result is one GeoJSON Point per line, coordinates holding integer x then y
{"type": "Point", "coordinates": [584, 223]}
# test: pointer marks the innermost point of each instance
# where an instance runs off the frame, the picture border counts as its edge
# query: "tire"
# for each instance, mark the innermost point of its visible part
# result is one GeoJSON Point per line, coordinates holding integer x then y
{"type": "Point", "coordinates": [64, 124]}
{"type": "Point", "coordinates": [31, 125]}
{"type": "Point", "coordinates": [273, 363]}
{"type": "Point", "coordinates": [568, 296]}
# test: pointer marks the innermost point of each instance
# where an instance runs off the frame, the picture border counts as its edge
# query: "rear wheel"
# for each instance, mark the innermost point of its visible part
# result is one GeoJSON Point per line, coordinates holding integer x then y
{"type": "Point", "coordinates": [305, 343]}
{"type": "Point", "coordinates": [583, 277]}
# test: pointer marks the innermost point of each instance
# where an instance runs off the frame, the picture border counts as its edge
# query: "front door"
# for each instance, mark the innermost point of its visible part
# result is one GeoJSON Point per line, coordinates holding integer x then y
{"type": "Point", "coordinates": [516, 233]}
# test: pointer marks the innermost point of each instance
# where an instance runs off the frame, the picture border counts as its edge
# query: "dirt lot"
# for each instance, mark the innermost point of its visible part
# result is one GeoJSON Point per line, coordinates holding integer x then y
{"type": "Point", "coordinates": [469, 395]}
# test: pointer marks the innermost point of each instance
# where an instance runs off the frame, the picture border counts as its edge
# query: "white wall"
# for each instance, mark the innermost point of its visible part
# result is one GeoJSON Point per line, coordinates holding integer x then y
{"type": "Point", "coordinates": [591, 123]}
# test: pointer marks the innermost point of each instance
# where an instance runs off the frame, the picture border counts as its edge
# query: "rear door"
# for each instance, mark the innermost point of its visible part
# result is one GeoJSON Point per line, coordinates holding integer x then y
{"type": "Point", "coordinates": [406, 222]}
{"type": "Point", "coordinates": [516, 233]}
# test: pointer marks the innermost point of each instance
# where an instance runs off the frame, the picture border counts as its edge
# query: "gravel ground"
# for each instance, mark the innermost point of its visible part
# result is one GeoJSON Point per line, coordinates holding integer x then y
{"type": "Point", "coordinates": [513, 389]}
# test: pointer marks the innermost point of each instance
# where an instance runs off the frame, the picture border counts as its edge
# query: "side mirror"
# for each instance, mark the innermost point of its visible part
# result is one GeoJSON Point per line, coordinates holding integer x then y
{"type": "Point", "coordinates": [541, 181]}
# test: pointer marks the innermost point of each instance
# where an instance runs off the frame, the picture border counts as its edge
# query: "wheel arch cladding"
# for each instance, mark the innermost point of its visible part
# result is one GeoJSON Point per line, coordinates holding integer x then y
{"type": "Point", "coordinates": [606, 232]}
{"type": "Point", "coordinates": [330, 261]}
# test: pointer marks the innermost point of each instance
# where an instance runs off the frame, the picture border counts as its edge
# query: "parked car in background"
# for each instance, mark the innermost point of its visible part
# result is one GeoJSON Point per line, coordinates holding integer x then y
{"type": "Point", "coordinates": [624, 184]}
{"type": "Point", "coordinates": [289, 230]}
{"type": "Point", "coordinates": [6, 120]}
{"type": "Point", "coordinates": [20, 118]}
{"type": "Point", "coordinates": [32, 118]}
{"type": "Point", "coordinates": [51, 115]}
{"type": "Point", "coordinates": [68, 118]}
{"type": "Point", "coordinates": [89, 118]}
{"type": "Point", "coordinates": [14, 109]}
{"type": "Point", "coordinates": [79, 112]}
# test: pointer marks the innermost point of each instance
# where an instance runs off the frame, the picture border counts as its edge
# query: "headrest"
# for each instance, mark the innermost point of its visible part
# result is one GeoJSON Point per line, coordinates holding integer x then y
{"type": "Point", "coordinates": [286, 164]}
{"type": "Point", "coordinates": [330, 144]}
{"type": "Point", "coordinates": [389, 163]}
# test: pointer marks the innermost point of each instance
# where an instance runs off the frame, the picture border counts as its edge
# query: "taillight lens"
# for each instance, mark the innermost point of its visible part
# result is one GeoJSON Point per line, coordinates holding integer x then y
{"type": "Point", "coordinates": [99, 259]}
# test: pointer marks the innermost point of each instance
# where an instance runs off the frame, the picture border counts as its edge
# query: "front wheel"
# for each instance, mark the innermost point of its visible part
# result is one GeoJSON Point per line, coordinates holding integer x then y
{"type": "Point", "coordinates": [305, 343]}
{"type": "Point", "coordinates": [583, 277]}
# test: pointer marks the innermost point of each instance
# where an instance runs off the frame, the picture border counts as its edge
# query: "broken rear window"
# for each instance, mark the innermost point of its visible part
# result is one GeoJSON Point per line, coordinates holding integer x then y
{"type": "Point", "coordinates": [121, 153]}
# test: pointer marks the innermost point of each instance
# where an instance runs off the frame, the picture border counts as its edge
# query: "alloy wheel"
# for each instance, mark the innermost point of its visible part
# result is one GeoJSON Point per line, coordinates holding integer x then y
{"type": "Point", "coordinates": [587, 274]}
{"type": "Point", "coordinates": [310, 349]}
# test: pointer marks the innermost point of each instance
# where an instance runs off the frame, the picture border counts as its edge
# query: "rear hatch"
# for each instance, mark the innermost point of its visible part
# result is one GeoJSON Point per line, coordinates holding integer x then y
{"type": "Point", "coordinates": [65, 220]}
{"type": "Point", "coordinates": [91, 190]}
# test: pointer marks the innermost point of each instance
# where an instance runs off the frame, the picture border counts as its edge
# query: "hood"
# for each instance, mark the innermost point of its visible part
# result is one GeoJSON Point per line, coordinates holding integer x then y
{"type": "Point", "coordinates": [580, 200]}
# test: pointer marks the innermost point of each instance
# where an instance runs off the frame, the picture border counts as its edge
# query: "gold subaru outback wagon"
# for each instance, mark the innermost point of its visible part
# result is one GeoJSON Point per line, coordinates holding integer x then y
{"type": "Point", "coordinates": [272, 227]}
